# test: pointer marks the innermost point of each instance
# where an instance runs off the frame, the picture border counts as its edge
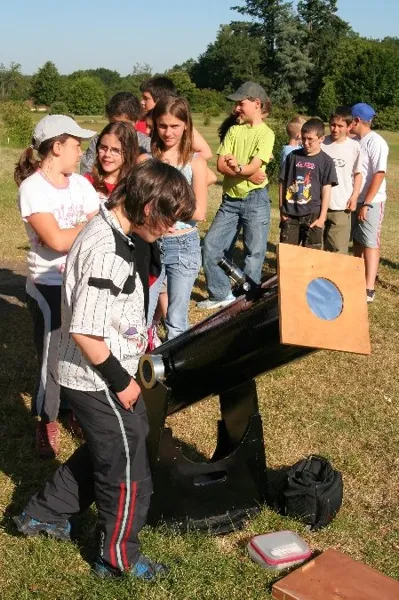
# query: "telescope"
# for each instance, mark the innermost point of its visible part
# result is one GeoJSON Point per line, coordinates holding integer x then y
{"type": "Point", "coordinates": [311, 303]}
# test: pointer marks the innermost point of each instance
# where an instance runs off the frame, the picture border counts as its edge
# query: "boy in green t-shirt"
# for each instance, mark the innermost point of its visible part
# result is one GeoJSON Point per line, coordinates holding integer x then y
{"type": "Point", "coordinates": [242, 158]}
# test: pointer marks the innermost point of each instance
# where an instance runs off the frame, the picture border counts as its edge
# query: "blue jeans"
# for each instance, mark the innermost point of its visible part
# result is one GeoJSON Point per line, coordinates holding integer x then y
{"type": "Point", "coordinates": [181, 261]}
{"type": "Point", "coordinates": [253, 215]}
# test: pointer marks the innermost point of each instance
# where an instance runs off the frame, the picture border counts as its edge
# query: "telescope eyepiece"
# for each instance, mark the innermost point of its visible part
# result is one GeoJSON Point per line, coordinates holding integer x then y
{"type": "Point", "coordinates": [232, 271]}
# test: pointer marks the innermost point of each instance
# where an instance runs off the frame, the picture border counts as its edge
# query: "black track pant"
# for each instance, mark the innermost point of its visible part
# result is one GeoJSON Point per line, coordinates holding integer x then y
{"type": "Point", "coordinates": [111, 469]}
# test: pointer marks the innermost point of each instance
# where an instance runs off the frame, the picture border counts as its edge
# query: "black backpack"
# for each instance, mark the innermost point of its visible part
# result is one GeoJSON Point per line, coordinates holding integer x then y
{"type": "Point", "coordinates": [313, 492]}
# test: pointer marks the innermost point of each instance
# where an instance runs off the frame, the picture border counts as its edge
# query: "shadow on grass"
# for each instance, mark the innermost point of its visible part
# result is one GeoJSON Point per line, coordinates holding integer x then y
{"type": "Point", "coordinates": [17, 427]}
{"type": "Point", "coordinates": [17, 373]}
{"type": "Point", "coordinates": [389, 263]}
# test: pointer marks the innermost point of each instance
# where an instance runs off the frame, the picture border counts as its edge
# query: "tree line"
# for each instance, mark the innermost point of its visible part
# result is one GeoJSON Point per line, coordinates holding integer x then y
{"type": "Point", "coordinates": [86, 92]}
{"type": "Point", "coordinates": [308, 59]}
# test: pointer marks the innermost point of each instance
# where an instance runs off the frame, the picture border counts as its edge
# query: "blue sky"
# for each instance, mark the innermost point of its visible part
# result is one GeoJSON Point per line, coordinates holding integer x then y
{"type": "Point", "coordinates": [79, 34]}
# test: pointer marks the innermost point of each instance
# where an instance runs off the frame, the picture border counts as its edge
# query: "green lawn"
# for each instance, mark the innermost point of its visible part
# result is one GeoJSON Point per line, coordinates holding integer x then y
{"type": "Point", "coordinates": [343, 406]}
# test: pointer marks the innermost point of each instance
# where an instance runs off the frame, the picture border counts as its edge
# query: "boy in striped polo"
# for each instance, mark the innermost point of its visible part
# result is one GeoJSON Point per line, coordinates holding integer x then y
{"type": "Point", "coordinates": [103, 335]}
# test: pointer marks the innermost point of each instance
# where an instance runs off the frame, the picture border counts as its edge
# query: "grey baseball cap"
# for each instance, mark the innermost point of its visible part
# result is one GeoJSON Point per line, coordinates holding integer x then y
{"type": "Point", "coordinates": [249, 89]}
{"type": "Point", "coordinates": [54, 125]}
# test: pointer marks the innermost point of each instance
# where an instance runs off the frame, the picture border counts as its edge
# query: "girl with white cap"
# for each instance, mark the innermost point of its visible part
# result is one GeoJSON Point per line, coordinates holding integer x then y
{"type": "Point", "coordinates": [55, 203]}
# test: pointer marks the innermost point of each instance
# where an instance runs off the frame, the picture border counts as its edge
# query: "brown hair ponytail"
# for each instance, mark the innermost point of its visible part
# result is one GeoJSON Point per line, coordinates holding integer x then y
{"type": "Point", "coordinates": [26, 165]}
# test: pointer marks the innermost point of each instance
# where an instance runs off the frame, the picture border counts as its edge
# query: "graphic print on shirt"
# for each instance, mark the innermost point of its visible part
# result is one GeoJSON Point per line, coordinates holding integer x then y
{"type": "Point", "coordinates": [67, 215]}
{"type": "Point", "coordinates": [300, 190]}
{"type": "Point", "coordinates": [339, 162]}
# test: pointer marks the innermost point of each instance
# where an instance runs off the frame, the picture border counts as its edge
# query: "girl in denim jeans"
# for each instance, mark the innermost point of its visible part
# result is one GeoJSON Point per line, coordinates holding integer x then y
{"type": "Point", "coordinates": [181, 253]}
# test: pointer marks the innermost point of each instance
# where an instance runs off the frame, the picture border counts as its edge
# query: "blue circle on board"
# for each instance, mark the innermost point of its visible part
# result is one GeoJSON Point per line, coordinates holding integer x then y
{"type": "Point", "coordinates": [324, 299]}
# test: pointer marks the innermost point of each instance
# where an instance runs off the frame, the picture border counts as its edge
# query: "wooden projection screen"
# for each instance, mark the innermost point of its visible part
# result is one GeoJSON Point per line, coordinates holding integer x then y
{"type": "Point", "coordinates": [322, 300]}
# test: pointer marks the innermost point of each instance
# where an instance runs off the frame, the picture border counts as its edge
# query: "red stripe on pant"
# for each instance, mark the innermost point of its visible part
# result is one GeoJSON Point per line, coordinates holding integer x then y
{"type": "Point", "coordinates": [112, 551]}
{"type": "Point", "coordinates": [129, 525]}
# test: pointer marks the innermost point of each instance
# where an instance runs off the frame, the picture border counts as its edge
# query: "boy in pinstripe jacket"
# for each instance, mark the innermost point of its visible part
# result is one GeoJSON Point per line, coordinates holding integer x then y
{"type": "Point", "coordinates": [103, 335]}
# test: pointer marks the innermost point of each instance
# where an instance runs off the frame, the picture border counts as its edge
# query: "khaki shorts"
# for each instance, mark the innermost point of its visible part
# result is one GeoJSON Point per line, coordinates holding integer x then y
{"type": "Point", "coordinates": [337, 230]}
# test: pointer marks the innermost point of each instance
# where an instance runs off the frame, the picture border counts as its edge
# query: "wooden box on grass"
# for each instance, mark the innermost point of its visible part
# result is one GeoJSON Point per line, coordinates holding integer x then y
{"type": "Point", "coordinates": [335, 576]}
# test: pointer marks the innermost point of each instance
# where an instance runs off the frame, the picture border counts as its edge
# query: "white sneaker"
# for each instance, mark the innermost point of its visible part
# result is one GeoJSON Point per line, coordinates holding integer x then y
{"type": "Point", "coordinates": [211, 304]}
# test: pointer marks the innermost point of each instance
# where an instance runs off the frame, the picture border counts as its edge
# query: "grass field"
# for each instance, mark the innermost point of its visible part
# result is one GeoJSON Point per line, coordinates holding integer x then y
{"type": "Point", "coordinates": [343, 406]}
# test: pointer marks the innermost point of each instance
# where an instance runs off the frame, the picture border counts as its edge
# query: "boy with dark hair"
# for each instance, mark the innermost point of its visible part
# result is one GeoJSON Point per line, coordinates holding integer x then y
{"type": "Point", "coordinates": [123, 107]}
{"type": "Point", "coordinates": [242, 157]}
{"type": "Point", "coordinates": [103, 335]}
{"type": "Point", "coordinates": [154, 89]}
{"type": "Point", "coordinates": [346, 155]}
{"type": "Point", "coordinates": [306, 179]}
{"type": "Point", "coordinates": [369, 214]}
{"type": "Point", "coordinates": [293, 130]}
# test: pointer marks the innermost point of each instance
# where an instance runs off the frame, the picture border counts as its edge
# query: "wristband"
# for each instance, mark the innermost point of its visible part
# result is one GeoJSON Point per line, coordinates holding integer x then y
{"type": "Point", "coordinates": [111, 370]}
{"type": "Point", "coordinates": [367, 204]}
{"type": "Point", "coordinates": [239, 167]}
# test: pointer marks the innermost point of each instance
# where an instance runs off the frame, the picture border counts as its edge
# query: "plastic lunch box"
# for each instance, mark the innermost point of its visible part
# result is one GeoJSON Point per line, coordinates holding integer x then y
{"type": "Point", "coordinates": [278, 550]}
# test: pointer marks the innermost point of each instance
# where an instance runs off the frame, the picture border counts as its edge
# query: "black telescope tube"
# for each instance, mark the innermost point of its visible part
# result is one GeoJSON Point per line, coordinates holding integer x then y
{"type": "Point", "coordinates": [232, 346]}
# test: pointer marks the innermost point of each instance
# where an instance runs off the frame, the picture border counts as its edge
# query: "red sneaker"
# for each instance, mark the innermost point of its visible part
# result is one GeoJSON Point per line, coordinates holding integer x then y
{"type": "Point", "coordinates": [47, 439]}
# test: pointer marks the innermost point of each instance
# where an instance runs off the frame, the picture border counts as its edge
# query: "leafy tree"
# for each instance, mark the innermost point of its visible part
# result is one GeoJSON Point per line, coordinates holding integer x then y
{"type": "Point", "coordinates": [13, 85]}
{"type": "Point", "coordinates": [387, 119]}
{"type": "Point", "coordinates": [324, 30]}
{"type": "Point", "coordinates": [268, 17]}
{"type": "Point", "coordinates": [18, 122]}
{"type": "Point", "coordinates": [86, 96]}
{"type": "Point", "coordinates": [109, 78]}
{"type": "Point", "coordinates": [183, 83]}
{"type": "Point", "coordinates": [273, 167]}
{"type": "Point", "coordinates": [209, 102]}
{"type": "Point", "coordinates": [131, 83]}
{"type": "Point", "coordinates": [234, 57]}
{"type": "Point", "coordinates": [46, 84]}
{"type": "Point", "coordinates": [366, 71]}
{"type": "Point", "coordinates": [293, 67]}
{"type": "Point", "coordinates": [58, 108]}
{"type": "Point", "coordinates": [327, 100]}
{"type": "Point", "coordinates": [285, 58]}
{"type": "Point", "coordinates": [187, 65]}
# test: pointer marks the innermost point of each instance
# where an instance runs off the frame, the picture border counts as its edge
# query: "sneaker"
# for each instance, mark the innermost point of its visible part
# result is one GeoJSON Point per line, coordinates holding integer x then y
{"type": "Point", "coordinates": [31, 527]}
{"type": "Point", "coordinates": [370, 295]}
{"type": "Point", "coordinates": [144, 568]}
{"type": "Point", "coordinates": [211, 304]}
{"type": "Point", "coordinates": [47, 439]}
{"type": "Point", "coordinates": [154, 341]}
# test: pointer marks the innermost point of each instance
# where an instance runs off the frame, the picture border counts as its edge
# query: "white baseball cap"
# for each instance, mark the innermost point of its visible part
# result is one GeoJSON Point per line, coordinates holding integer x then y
{"type": "Point", "coordinates": [55, 125]}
